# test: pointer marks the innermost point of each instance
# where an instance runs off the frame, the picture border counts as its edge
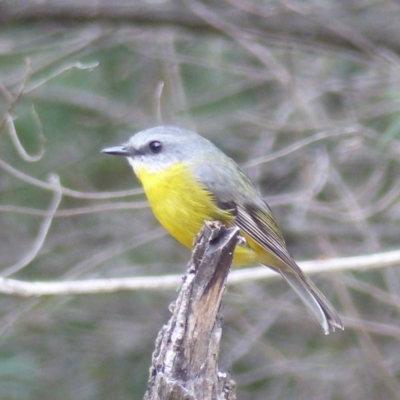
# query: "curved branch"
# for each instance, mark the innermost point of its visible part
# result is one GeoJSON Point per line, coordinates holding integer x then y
{"type": "Point", "coordinates": [237, 277]}
{"type": "Point", "coordinates": [358, 32]}
{"type": "Point", "coordinates": [42, 234]}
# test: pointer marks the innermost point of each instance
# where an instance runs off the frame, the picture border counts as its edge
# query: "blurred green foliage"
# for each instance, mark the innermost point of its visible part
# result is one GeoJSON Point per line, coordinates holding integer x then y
{"type": "Point", "coordinates": [253, 96]}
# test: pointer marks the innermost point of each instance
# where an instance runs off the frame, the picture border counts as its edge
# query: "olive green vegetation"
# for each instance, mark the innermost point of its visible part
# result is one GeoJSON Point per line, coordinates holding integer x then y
{"type": "Point", "coordinates": [336, 197]}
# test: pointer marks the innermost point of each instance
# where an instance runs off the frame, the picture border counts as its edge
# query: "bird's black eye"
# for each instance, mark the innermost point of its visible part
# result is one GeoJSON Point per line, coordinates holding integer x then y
{"type": "Point", "coordinates": [155, 146]}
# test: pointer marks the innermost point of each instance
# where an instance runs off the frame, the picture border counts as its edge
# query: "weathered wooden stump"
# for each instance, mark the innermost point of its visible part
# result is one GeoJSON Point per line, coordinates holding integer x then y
{"type": "Point", "coordinates": [185, 359]}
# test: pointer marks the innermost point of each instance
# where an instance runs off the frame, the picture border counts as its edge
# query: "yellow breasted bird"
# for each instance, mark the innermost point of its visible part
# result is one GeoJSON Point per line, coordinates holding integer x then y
{"type": "Point", "coordinates": [188, 180]}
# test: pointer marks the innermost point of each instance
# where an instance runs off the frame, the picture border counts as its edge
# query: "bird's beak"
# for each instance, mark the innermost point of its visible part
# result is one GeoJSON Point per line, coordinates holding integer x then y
{"type": "Point", "coordinates": [117, 151]}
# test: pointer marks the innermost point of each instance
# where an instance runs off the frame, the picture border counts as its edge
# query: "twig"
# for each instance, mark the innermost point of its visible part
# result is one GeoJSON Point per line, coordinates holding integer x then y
{"type": "Point", "coordinates": [72, 212]}
{"type": "Point", "coordinates": [352, 130]}
{"type": "Point", "coordinates": [17, 144]}
{"type": "Point", "coordinates": [42, 234]}
{"type": "Point", "coordinates": [66, 191]}
{"type": "Point", "coordinates": [167, 282]}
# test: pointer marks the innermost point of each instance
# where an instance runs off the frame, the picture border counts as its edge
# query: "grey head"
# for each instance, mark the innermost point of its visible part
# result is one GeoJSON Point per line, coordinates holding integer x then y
{"type": "Point", "coordinates": [158, 148]}
{"type": "Point", "coordinates": [163, 146]}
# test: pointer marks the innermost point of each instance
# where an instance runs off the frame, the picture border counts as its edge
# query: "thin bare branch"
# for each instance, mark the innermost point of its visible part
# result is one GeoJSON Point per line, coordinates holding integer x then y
{"type": "Point", "coordinates": [237, 277]}
{"type": "Point", "coordinates": [138, 205]}
{"type": "Point", "coordinates": [78, 65]}
{"type": "Point", "coordinates": [351, 130]}
{"type": "Point", "coordinates": [13, 100]}
{"type": "Point", "coordinates": [42, 234]}
{"type": "Point", "coordinates": [157, 99]}
{"type": "Point", "coordinates": [65, 191]}
{"type": "Point", "coordinates": [18, 146]}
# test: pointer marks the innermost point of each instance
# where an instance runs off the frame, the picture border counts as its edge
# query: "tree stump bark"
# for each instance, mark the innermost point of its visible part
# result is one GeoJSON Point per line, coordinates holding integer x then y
{"type": "Point", "coordinates": [185, 360]}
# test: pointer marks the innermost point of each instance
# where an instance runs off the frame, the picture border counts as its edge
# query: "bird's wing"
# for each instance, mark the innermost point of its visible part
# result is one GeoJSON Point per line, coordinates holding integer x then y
{"type": "Point", "coordinates": [259, 224]}
{"type": "Point", "coordinates": [233, 191]}
{"type": "Point", "coordinates": [251, 214]}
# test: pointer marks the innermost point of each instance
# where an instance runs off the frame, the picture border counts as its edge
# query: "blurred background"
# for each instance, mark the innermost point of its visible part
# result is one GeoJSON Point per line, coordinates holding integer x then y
{"type": "Point", "coordinates": [305, 95]}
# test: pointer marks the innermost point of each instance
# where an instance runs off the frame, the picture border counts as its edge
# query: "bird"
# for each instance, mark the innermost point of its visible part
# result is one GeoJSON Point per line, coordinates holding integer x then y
{"type": "Point", "coordinates": [188, 180]}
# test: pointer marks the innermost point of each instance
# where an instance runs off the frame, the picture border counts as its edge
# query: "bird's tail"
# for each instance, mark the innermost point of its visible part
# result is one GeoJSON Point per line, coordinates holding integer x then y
{"type": "Point", "coordinates": [320, 307]}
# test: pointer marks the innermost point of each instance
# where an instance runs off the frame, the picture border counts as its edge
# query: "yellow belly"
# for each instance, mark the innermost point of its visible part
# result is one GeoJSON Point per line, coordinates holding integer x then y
{"type": "Point", "coordinates": [181, 206]}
